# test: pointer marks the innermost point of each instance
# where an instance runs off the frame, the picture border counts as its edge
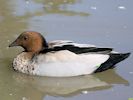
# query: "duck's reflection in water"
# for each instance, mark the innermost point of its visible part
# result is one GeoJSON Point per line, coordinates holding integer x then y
{"type": "Point", "coordinates": [68, 86]}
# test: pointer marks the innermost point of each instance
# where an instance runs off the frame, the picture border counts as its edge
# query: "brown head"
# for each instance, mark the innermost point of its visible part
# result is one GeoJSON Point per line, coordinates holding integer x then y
{"type": "Point", "coordinates": [30, 41]}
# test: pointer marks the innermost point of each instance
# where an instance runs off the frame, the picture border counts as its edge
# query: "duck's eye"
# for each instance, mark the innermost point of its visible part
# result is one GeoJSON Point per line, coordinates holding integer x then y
{"type": "Point", "coordinates": [25, 38]}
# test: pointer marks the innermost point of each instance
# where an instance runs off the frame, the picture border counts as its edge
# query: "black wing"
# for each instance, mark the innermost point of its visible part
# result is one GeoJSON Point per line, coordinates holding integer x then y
{"type": "Point", "coordinates": [78, 50]}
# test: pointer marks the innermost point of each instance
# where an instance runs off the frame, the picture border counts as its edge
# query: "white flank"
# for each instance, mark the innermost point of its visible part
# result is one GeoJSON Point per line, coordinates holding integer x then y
{"type": "Point", "coordinates": [65, 63]}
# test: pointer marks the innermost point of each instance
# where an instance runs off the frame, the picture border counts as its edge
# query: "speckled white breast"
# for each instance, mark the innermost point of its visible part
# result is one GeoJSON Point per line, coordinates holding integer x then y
{"type": "Point", "coordinates": [23, 64]}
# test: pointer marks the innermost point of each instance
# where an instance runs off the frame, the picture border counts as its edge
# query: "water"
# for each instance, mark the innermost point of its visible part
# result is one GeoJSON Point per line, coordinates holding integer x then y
{"type": "Point", "coordinates": [103, 23]}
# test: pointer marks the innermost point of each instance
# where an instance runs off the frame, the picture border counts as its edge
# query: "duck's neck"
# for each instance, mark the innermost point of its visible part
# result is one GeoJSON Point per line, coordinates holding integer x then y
{"type": "Point", "coordinates": [30, 55]}
{"type": "Point", "coordinates": [35, 48]}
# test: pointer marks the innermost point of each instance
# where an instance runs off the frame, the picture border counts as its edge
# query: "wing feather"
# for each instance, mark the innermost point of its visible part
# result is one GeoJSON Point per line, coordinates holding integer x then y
{"type": "Point", "coordinates": [75, 47]}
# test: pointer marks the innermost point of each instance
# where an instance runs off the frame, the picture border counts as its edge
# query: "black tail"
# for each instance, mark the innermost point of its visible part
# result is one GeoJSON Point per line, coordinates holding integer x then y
{"type": "Point", "coordinates": [114, 59]}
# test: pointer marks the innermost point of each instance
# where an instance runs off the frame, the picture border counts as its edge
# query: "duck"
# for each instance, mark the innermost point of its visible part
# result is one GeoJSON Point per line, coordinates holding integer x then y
{"type": "Point", "coordinates": [61, 58]}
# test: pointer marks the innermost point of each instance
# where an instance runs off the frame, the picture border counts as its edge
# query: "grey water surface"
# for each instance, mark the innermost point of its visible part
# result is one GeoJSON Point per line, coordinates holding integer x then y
{"type": "Point", "coordinates": [105, 23]}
